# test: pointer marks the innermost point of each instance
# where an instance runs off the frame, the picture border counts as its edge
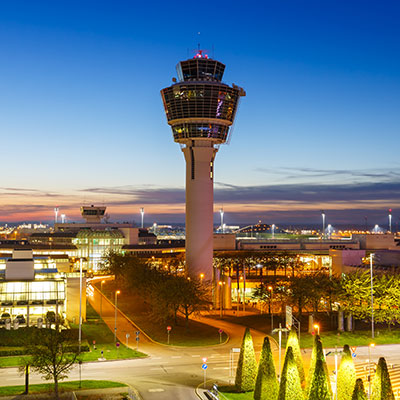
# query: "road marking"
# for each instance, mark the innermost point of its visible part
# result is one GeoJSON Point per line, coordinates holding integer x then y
{"type": "Point", "coordinates": [221, 368]}
{"type": "Point", "coordinates": [176, 357]}
{"type": "Point", "coordinates": [196, 355]}
{"type": "Point", "coordinates": [156, 358]}
{"type": "Point", "coordinates": [156, 390]}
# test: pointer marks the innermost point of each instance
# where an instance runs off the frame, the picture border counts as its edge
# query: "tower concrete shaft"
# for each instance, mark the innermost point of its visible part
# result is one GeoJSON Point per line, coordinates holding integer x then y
{"type": "Point", "coordinates": [199, 157]}
{"type": "Point", "coordinates": [200, 110]}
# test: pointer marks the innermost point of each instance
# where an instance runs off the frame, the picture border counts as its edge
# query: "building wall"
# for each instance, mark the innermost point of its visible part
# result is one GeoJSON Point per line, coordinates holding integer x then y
{"type": "Point", "coordinates": [225, 241]}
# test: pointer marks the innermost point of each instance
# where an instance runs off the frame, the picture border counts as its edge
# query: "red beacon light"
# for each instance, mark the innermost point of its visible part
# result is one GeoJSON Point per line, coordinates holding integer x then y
{"type": "Point", "coordinates": [200, 54]}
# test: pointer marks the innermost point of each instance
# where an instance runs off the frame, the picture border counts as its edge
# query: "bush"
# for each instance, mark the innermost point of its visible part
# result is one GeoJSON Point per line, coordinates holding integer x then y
{"type": "Point", "coordinates": [320, 386]}
{"type": "Point", "coordinates": [290, 386]}
{"type": "Point", "coordinates": [12, 351]}
{"type": "Point", "coordinates": [313, 362]}
{"type": "Point", "coordinates": [266, 383]}
{"type": "Point", "coordinates": [346, 379]}
{"type": "Point", "coordinates": [247, 365]}
{"type": "Point", "coordinates": [293, 342]}
{"type": "Point", "coordinates": [359, 391]}
{"type": "Point", "coordinates": [381, 385]}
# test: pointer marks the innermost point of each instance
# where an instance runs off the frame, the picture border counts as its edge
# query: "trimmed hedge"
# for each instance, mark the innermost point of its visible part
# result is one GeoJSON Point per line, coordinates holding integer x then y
{"type": "Point", "coordinates": [247, 365]}
{"type": "Point", "coordinates": [290, 386]}
{"type": "Point", "coordinates": [293, 342]}
{"type": "Point", "coordinates": [320, 385]}
{"type": "Point", "coordinates": [381, 385]}
{"type": "Point", "coordinates": [346, 379]}
{"type": "Point", "coordinates": [266, 383]}
{"type": "Point", "coordinates": [359, 391]}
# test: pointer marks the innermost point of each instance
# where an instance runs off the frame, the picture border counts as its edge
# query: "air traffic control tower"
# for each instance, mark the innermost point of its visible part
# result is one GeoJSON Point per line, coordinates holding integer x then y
{"type": "Point", "coordinates": [200, 110]}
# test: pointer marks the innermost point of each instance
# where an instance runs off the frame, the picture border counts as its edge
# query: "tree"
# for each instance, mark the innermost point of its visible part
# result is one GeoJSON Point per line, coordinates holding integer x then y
{"type": "Point", "coordinates": [266, 383]}
{"type": "Point", "coordinates": [381, 385]}
{"type": "Point", "coordinates": [359, 391]}
{"type": "Point", "coordinates": [290, 385]}
{"type": "Point", "coordinates": [320, 386]}
{"type": "Point", "coordinates": [315, 377]}
{"type": "Point", "coordinates": [293, 343]}
{"type": "Point", "coordinates": [52, 354]}
{"type": "Point", "coordinates": [346, 379]}
{"type": "Point", "coordinates": [247, 365]}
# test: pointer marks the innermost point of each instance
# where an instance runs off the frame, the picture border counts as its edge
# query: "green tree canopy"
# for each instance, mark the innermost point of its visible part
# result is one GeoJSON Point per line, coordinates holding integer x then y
{"type": "Point", "coordinates": [247, 366]}
{"type": "Point", "coordinates": [381, 385]}
{"type": "Point", "coordinates": [266, 383]}
{"type": "Point", "coordinates": [293, 342]}
{"type": "Point", "coordinates": [359, 391]}
{"type": "Point", "coordinates": [290, 385]}
{"type": "Point", "coordinates": [346, 375]}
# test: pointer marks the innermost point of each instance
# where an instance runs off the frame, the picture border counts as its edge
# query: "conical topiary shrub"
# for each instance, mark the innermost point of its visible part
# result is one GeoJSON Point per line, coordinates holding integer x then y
{"type": "Point", "coordinates": [381, 385]}
{"type": "Point", "coordinates": [290, 386]}
{"type": "Point", "coordinates": [266, 383]}
{"type": "Point", "coordinates": [359, 391]}
{"type": "Point", "coordinates": [346, 379]}
{"type": "Point", "coordinates": [312, 363]}
{"type": "Point", "coordinates": [293, 342]}
{"type": "Point", "coordinates": [247, 366]}
{"type": "Point", "coordinates": [320, 385]}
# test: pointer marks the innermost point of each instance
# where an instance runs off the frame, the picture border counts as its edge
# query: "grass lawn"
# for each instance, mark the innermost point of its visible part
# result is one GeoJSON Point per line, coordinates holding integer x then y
{"type": "Point", "coordinates": [63, 387]}
{"type": "Point", "coordinates": [197, 334]}
{"type": "Point", "coordinates": [93, 329]}
{"type": "Point", "coordinates": [228, 392]}
{"type": "Point", "coordinates": [96, 329]}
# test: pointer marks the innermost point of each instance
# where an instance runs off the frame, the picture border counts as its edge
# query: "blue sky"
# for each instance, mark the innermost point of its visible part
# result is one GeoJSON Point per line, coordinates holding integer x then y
{"type": "Point", "coordinates": [81, 118]}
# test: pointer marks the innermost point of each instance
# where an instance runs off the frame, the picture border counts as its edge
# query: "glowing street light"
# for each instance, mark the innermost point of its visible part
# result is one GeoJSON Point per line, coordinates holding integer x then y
{"type": "Point", "coordinates": [220, 283]}
{"type": "Point", "coordinates": [142, 216]}
{"type": "Point", "coordinates": [101, 298]}
{"type": "Point", "coordinates": [271, 291]}
{"type": "Point", "coordinates": [117, 292]}
{"type": "Point", "coordinates": [316, 327]}
{"type": "Point", "coordinates": [201, 278]}
{"type": "Point", "coordinates": [221, 212]}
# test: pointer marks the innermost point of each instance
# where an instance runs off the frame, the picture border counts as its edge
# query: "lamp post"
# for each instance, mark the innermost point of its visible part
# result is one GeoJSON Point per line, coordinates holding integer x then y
{"type": "Point", "coordinates": [142, 216]}
{"type": "Point", "coordinates": [220, 283]}
{"type": "Point", "coordinates": [201, 278]}
{"type": "Point", "coordinates": [280, 330]}
{"type": "Point", "coordinates": [390, 220]}
{"type": "Point", "coordinates": [117, 292]}
{"type": "Point", "coordinates": [372, 296]}
{"type": "Point", "coordinates": [80, 306]}
{"type": "Point", "coordinates": [221, 212]}
{"type": "Point", "coordinates": [371, 345]}
{"type": "Point", "coordinates": [101, 298]}
{"type": "Point", "coordinates": [273, 231]}
{"type": "Point", "coordinates": [316, 327]}
{"type": "Point", "coordinates": [323, 223]}
{"type": "Point", "coordinates": [271, 291]}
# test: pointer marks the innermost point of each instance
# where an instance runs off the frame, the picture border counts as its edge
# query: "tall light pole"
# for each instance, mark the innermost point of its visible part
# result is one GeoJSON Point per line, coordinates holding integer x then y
{"type": "Point", "coordinates": [101, 298]}
{"type": "Point", "coordinates": [390, 220]}
{"type": "Point", "coordinates": [142, 216]}
{"type": "Point", "coordinates": [271, 291]}
{"type": "Point", "coordinates": [56, 209]}
{"type": "Point", "coordinates": [80, 305]}
{"type": "Point", "coordinates": [372, 296]}
{"type": "Point", "coordinates": [273, 231]}
{"type": "Point", "coordinates": [323, 223]}
{"type": "Point", "coordinates": [221, 212]}
{"type": "Point", "coordinates": [220, 283]}
{"type": "Point", "coordinates": [117, 292]}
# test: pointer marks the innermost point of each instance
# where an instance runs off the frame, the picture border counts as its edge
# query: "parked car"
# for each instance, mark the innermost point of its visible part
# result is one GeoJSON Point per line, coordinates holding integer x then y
{"type": "Point", "coordinates": [4, 317]}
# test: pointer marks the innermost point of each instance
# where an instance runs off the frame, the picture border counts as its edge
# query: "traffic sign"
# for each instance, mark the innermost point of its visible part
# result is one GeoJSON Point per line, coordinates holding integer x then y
{"type": "Point", "coordinates": [117, 344]}
{"type": "Point", "coordinates": [204, 366]}
{"type": "Point", "coordinates": [204, 359]}
{"type": "Point", "coordinates": [168, 328]}
{"type": "Point", "coordinates": [220, 331]}
{"type": "Point", "coordinates": [354, 355]}
{"type": "Point", "coordinates": [137, 338]}
{"type": "Point", "coordinates": [137, 333]}
{"type": "Point", "coordinates": [128, 335]}
{"type": "Point", "coordinates": [353, 349]}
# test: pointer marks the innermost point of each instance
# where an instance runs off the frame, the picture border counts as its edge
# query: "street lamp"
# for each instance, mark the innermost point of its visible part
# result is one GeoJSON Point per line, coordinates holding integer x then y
{"type": "Point", "coordinates": [273, 231]}
{"type": "Point", "coordinates": [142, 215]}
{"type": "Point", "coordinates": [117, 292]}
{"type": "Point", "coordinates": [201, 278]}
{"type": "Point", "coordinates": [316, 327]}
{"type": "Point", "coordinates": [390, 220]}
{"type": "Point", "coordinates": [80, 306]}
{"type": "Point", "coordinates": [372, 296]}
{"type": "Point", "coordinates": [101, 298]}
{"type": "Point", "coordinates": [220, 283]}
{"type": "Point", "coordinates": [371, 345]}
{"type": "Point", "coordinates": [271, 291]}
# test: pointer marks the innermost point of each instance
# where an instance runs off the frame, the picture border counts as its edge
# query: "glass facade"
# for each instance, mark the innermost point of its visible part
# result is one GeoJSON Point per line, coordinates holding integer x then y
{"type": "Point", "coordinates": [200, 70]}
{"type": "Point", "coordinates": [213, 131]}
{"type": "Point", "coordinates": [200, 101]}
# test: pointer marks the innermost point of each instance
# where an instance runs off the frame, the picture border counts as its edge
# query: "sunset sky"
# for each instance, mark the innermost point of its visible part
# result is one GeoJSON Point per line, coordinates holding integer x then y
{"type": "Point", "coordinates": [82, 122]}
